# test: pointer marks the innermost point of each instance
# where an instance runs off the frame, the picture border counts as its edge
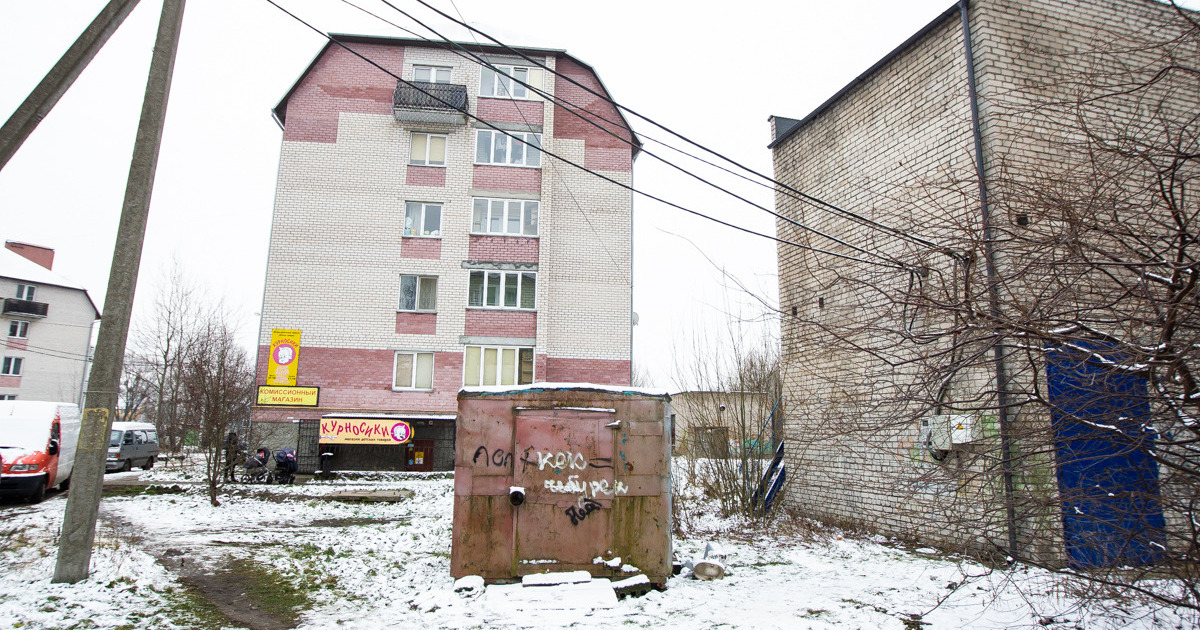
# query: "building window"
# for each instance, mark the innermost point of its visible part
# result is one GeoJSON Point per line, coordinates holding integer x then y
{"type": "Point", "coordinates": [501, 84]}
{"type": "Point", "coordinates": [8, 396]}
{"type": "Point", "coordinates": [18, 329]}
{"type": "Point", "coordinates": [12, 366]}
{"type": "Point", "coordinates": [431, 74]}
{"type": "Point", "coordinates": [485, 365]}
{"type": "Point", "coordinates": [428, 149]}
{"type": "Point", "coordinates": [26, 292]}
{"type": "Point", "coordinates": [496, 147]}
{"type": "Point", "coordinates": [422, 219]}
{"type": "Point", "coordinates": [505, 216]}
{"type": "Point", "coordinates": [413, 370]}
{"type": "Point", "coordinates": [502, 289]}
{"type": "Point", "coordinates": [418, 293]}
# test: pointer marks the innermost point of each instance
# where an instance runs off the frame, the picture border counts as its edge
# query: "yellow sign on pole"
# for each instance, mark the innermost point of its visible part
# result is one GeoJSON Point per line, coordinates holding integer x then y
{"type": "Point", "coordinates": [364, 431]}
{"type": "Point", "coordinates": [288, 396]}
{"type": "Point", "coordinates": [285, 357]}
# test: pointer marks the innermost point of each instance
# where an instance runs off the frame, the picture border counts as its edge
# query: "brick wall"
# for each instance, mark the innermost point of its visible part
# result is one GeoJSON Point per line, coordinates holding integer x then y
{"type": "Point", "coordinates": [432, 176]}
{"type": "Point", "coordinates": [430, 248]}
{"type": "Point", "coordinates": [503, 249]}
{"type": "Point", "coordinates": [500, 323]}
{"type": "Point", "coordinates": [563, 370]}
{"type": "Point", "coordinates": [897, 148]}
{"type": "Point", "coordinates": [416, 323]}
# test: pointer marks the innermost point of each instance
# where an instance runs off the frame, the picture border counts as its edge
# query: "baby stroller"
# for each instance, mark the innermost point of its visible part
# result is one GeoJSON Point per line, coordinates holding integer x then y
{"type": "Point", "coordinates": [285, 465]}
{"type": "Point", "coordinates": [256, 467]}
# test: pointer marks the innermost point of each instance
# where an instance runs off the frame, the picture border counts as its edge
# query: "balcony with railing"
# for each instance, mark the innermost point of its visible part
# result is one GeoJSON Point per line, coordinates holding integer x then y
{"type": "Point", "coordinates": [423, 102]}
{"type": "Point", "coordinates": [27, 308]}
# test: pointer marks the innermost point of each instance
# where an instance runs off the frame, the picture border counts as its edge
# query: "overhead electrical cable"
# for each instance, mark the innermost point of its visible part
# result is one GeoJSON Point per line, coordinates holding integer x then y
{"type": "Point", "coordinates": [576, 109]}
{"type": "Point", "coordinates": [586, 219]}
{"type": "Point", "coordinates": [465, 112]}
{"type": "Point", "coordinates": [797, 193]}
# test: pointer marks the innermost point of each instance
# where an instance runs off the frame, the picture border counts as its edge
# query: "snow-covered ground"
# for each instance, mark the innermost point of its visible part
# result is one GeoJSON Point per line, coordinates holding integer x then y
{"type": "Point", "coordinates": [386, 565]}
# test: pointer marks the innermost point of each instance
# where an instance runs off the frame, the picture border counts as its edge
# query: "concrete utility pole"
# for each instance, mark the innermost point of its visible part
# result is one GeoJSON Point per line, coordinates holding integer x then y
{"type": "Point", "coordinates": [43, 97]}
{"type": "Point", "coordinates": [83, 503]}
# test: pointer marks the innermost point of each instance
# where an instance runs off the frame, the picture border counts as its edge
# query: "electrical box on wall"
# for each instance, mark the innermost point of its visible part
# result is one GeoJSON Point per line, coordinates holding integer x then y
{"type": "Point", "coordinates": [964, 429]}
{"type": "Point", "coordinates": [945, 432]}
{"type": "Point", "coordinates": [935, 433]}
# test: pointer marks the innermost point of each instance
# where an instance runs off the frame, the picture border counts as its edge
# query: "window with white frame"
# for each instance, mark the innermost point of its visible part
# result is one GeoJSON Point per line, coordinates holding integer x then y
{"type": "Point", "coordinates": [497, 147]}
{"type": "Point", "coordinates": [502, 289]}
{"type": "Point", "coordinates": [500, 82]}
{"type": "Point", "coordinates": [505, 216]}
{"type": "Point", "coordinates": [26, 292]}
{"type": "Point", "coordinates": [18, 329]}
{"type": "Point", "coordinates": [431, 74]}
{"type": "Point", "coordinates": [12, 366]}
{"type": "Point", "coordinates": [418, 293]}
{"type": "Point", "coordinates": [428, 149]}
{"type": "Point", "coordinates": [8, 396]}
{"type": "Point", "coordinates": [487, 365]}
{"type": "Point", "coordinates": [422, 219]}
{"type": "Point", "coordinates": [413, 370]}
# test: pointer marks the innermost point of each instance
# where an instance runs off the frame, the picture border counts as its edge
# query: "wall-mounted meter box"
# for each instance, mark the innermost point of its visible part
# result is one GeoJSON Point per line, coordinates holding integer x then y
{"type": "Point", "coordinates": [944, 432]}
{"type": "Point", "coordinates": [964, 429]}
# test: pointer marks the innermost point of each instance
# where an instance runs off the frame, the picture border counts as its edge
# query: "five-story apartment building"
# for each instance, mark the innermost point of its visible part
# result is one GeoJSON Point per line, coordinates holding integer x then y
{"type": "Point", "coordinates": [467, 224]}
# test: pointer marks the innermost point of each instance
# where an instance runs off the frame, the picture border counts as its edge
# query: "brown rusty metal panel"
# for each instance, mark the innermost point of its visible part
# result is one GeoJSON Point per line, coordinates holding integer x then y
{"type": "Point", "coordinates": [594, 467]}
{"type": "Point", "coordinates": [483, 537]}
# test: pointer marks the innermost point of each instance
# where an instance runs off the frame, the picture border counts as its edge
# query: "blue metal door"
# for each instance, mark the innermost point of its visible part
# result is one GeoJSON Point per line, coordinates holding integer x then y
{"type": "Point", "coordinates": [1107, 480]}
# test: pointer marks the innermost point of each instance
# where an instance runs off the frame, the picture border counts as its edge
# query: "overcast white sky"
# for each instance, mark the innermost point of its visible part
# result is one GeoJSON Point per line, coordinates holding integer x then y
{"type": "Point", "coordinates": [713, 72]}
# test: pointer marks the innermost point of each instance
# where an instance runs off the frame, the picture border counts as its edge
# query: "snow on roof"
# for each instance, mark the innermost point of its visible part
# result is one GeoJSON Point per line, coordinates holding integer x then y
{"type": "Point", "coordinates": [18, 267]}
{"type": "Point", "coordinates": [539, 387]}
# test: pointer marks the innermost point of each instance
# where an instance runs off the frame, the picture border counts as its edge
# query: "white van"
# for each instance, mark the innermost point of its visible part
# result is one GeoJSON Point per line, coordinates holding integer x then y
{"type": "Point", "coordinates": [37, 447]}
{"type": "Point", "coordinates": [131, 444]}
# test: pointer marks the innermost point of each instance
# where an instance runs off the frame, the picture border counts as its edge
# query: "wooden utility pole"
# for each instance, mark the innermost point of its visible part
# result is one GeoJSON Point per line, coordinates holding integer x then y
{"type": "Point", "coordinates": [43, 97]}
{"type": "Point", "coordinates": [83, 503]}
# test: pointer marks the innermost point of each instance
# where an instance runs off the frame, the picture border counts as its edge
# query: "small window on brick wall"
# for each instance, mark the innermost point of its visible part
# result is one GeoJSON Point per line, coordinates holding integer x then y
{"type": "Point", "coordinates": [422, 219]}
{"type": "Point", "coordinates": [431, 74]}
{"type": "Point", "coordinates": [508, 148]}
{"type": "Point", "coordinates": [484, 365]}
{"type": "Point", "coordinates": [413, 370]}
{"type": "Point", "coordinates": [12, 366]}
{"type": "Point", "coordinates": [500, 83]}
{"type": "Point", "coordinates": [428, 149]}
{"type": "Point", "coordinates": [502, 289]}
{"type": "Point", "coordinates": [18, 329]}
{"type": "Point", "coordinates": [418, 293]}
{"type": "Point", "coordinates": [505, 216]}
{"type": "Point", "coordinates": [26, 292]}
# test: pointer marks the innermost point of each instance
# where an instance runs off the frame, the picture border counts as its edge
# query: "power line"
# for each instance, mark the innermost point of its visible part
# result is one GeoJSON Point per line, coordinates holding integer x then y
{"type": "Point", "coordinates": [620, 184]}
{"type": "Point", "coordinates": [575, 109]}
{"type": "Point", "coordinates": [798, 193]}
{"type": "Point", "coordinates": [617, 266]}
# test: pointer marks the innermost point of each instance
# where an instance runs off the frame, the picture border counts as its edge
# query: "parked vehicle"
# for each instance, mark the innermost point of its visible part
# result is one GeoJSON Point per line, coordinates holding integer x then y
{"type": "Point", "coordinates": [37, 447]}
{"type": "Point", "coordinates": [131, 444]}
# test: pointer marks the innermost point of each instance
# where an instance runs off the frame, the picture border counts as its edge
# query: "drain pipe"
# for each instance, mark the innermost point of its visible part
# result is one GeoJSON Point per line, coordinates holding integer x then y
{"type": "Point", "coordinates": [989, 253]}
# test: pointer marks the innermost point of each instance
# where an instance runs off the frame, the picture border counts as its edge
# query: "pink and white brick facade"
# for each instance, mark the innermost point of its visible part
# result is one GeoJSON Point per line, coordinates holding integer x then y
{"type": "Point", "coordinates": [337, 251]}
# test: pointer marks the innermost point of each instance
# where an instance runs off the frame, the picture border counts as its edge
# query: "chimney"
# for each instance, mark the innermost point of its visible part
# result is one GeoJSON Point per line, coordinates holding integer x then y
{"type": "Point", "coordinates": [43, 256]}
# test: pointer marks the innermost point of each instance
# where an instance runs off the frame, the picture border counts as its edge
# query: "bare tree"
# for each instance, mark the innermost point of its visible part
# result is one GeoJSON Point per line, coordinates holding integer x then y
{"type": "Point", "coordinates": [159, 348]}
{"type": "Point", "coordinates": [218, 385]}
{"type": "Point", "coordinates": [726, 415]}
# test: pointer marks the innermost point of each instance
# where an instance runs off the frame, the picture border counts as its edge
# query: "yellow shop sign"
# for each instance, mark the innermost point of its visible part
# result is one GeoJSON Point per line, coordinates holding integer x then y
{"type": "Point", "coordinates": [288, 396]}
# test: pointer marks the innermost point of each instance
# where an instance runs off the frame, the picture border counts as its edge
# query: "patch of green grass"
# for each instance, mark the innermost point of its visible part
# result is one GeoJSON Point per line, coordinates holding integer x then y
{"type": "Point", "coordinates": [272, 591]}
{"type": "Point", "coordinates": [189, 609]}
{"type": "Point", "coordinates": [814, 612]}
